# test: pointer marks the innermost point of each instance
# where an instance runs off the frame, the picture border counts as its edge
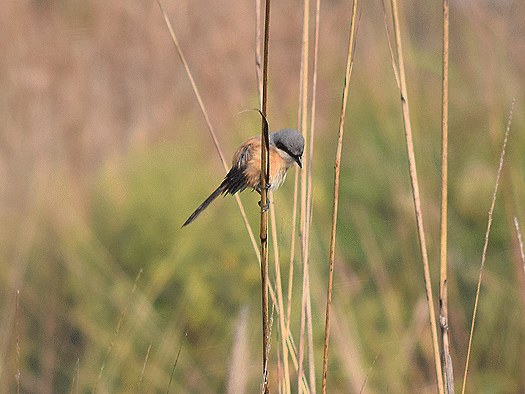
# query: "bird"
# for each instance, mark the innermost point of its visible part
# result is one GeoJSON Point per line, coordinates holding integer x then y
{"type": "Point", "coordinates": [286, 148]}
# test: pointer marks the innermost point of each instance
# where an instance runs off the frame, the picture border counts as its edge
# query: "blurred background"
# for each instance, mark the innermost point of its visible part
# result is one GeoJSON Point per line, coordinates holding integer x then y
{"type": "Point", "coordinates": [104, 153]}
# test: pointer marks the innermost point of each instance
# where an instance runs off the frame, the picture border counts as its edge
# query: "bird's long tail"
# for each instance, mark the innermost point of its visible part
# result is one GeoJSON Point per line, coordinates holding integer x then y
{"type": "Point", "coordinates": [221, 189]}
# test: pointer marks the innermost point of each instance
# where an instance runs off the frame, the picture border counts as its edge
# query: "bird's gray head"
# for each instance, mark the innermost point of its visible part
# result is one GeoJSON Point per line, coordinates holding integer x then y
{"type": "Point", "coordinates": [290, 141]}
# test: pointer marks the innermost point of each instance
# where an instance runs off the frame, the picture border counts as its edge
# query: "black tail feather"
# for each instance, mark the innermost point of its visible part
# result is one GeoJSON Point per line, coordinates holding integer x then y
{"type": "Point", "coordinates": [221, 189]}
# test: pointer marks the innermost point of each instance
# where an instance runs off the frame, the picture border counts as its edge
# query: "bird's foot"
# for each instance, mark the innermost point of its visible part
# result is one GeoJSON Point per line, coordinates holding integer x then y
{"type": "Point", "coordinates": [264, 207]}
{"type": "Point", "coordinates": [259, 188]}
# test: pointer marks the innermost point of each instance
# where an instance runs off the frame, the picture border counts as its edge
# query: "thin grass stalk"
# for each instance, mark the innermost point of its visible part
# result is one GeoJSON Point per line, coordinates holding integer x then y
{"type": "Point", "coordinates": [284, 383]}
{"type": "Point", "coordinates": [302, 124]}
{"type": "Point", "coordinates": [309, 193]}
{"type": "Point", "coordinates": [312, 124]}
{"type": "Point", "coordinates": [277, 295]}
{"type": "Point", "coordinates": [368, 374]}
{"type": "Point", "coordinates": [337, 167]}
{"type": "Point", "coordinates": [300, 371]}
{"type": "Point", "coordinates": [415, 194]}
{"type": "Point", "coordinates": [17, 329]}
{"type": "Point", "coordinates": [265, 171]}
{"type": "Point", "coordinates": [174, 365]}
{"type": "Point", "coordinates": [115, 334]}
{"type": "Point", "coordinates": [292, 251]}
{"type": "Point", "coordinates": [304, 387]}
{"type": "Point", "coordinates": [208, 123]}
{"type": "Point", "coordinates": [144, 367]}
{"type": "Point", "coordinates": [8, 315]}
{"type": "Point", "coordinates": [258, 63]}
{"type": "Point", "coordinates": [446, 360]}
{"type": "Point", "coordinates": [310, 336]}
{"type": "Point", "coordinates": [520, 242]}
{"type": "Point", "coordinates": [485, 246]}
{"type": "Point", "coordinates": [75, 380]}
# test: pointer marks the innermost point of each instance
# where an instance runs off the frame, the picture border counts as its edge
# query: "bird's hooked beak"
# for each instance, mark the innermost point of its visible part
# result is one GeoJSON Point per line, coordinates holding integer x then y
{"type": "Point", "coordinates": [299, 161]}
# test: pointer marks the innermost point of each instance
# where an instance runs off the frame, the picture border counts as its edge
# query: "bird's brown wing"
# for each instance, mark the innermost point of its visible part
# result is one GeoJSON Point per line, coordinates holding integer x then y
{"type": "Point", "coordinates": [243, 173]}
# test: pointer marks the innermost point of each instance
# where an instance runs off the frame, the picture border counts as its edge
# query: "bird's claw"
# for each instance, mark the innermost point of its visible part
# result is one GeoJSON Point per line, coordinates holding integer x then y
{"type": "Point", "coordinates": [264, 207]}
{"type": "Point", "coordinates": [259, 188]}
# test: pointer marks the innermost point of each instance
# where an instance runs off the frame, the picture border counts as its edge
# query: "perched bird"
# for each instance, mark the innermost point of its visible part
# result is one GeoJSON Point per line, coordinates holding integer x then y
{"type": "Point", "coordinates": [286, 148]}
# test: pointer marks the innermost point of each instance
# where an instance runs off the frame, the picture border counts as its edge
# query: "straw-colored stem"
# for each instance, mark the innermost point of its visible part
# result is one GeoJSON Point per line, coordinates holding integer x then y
{"type": "Point", "coordinates": [292, 251]}
{"type": "Point", "coordinates": [443, 299]}
{"type": "Point", "coordinates": [144, 367]}
{"type": "Point", "coordinates": [484, 253]}
{"type": "Point", "coordinates": [258, 65]}
{"type": "Point", "coordinates": [520, 242]}
{"type": "Point", "coordinates": [265, 171]}
{"type": "Point", "coordinates": [17, 323]}
{"type": "Point", "coordinates": [173, 368]}
{"type": "Point", "coordinates": [285, 384]}
{"type": "Point", "coordinates": [303, 101]}
{"type": "Point", "coordinates": [415, 195]}
{"type": "Point", "coordinates": [337, 166]}
{"type": "Point", "coordinates": [309, 193]}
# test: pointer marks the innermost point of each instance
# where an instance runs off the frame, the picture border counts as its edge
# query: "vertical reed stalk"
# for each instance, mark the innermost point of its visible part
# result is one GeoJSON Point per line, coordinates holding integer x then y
{"type": "Point", "coordinates": [349, 62]}
{"type": "Point", "coordinates": [446, 360]}
{"type": "Point", "coordinates": [265, 171]}
{"type": "Point", "coordinates": [415, 193]}
{"type": "Point", "coordinates": [17, 323]}
{"type": "Point", "coordinates": [309, 194]}
{"type": "Point", "coordinates": [284, 384]}
{"type": "Point", "coordinates": [302, 122]}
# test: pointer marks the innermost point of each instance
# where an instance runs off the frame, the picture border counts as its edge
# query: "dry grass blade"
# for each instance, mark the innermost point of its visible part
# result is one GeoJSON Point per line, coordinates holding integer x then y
{"type": "Point", "coordinates": [265, 388]}
{"type": "Point", "coordinates": [485, 245]}
{"type": "Point", "coordinates": [117, 330]}
{"type": "Point", "coordinates": [285, 381]}
{"type": "Point", "coordinates": [292, 250]}
{"type": "Point", "coordinates": [520, 241]}
{"type": "Point", "coordinates": [258, 62]}
{"type": "Point", "coordinates": [306, 173]}
{"type": "Point", "coordinates": [208, 123]}
{"type": "Point", "coordinates": [302, 124]}
{"type": "Point", "coordinates": [368, 374]}
{"type": "Point", "coordinates": [446, 360]}
{"type": "Point", "coordinates": [174, 365]}
{"type": "Point", "coordinates": [17, 329]}
{"type": "Point", "coordinates": [349, 62]}
{"type": "Point", "coordinates": [400, 77]}
{"type": "Point", "coordinates": [144, 368]}
{"type": "Point", "coordinates": [75, 380]}
{"type": "Point", "coordinates": [312, 125]}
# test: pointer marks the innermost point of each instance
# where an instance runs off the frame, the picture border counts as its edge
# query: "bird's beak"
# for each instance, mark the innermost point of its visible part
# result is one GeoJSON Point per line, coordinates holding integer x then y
{"type": "Point", "coordinates": [299, 161]}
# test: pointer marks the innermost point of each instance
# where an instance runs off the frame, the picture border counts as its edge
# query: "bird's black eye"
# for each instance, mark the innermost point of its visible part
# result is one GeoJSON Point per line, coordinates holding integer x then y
{"type": "Point", "coordinates": [284, 148]}
{"type": "Point", "coordinates": [280, 146]}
